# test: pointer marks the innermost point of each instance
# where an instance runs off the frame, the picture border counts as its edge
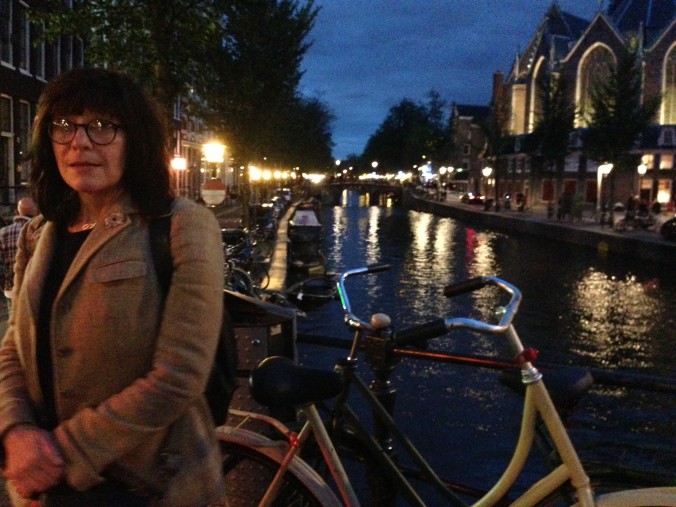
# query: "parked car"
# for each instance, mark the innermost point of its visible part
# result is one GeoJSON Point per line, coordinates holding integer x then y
{"type": "Point", "coordinates": [668, 229]}
{"type": "Point", "coordinates": [472, 198]}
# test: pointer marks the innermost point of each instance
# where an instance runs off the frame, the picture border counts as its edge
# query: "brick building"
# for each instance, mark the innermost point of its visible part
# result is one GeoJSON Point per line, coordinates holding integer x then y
{"type": "Point", "coordinates": [25, 67]}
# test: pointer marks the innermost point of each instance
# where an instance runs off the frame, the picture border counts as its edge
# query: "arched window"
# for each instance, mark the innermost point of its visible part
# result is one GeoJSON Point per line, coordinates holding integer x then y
{"type": "Point", "coordinates": [669, 91]}
{"type": "Point", "coordinates": [595, 68]}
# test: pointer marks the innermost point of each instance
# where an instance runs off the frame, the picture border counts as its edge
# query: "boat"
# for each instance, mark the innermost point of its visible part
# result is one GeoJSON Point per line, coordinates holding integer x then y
{"type": "Point", "coordinates": [305, 234]}
{"type": "Point", "coordinates": [314, 291]}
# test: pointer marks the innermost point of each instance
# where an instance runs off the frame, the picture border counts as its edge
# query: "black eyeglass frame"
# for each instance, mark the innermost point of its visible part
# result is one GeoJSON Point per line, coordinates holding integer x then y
{"type": "Point", "coordinates": [86, 126]}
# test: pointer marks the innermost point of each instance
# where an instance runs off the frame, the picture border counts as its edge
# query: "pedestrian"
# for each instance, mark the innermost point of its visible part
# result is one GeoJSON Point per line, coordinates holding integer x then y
{"type": "Point", "coordinates": [101, 375]}
{"type": "Point", "coordinates": [9, 235]}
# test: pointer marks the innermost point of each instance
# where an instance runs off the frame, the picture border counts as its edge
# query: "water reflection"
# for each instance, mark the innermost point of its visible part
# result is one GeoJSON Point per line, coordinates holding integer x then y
{"type": "Point", "coordinates": [578, 309]}
{"type": "Point", "coordinates": [615, 318]}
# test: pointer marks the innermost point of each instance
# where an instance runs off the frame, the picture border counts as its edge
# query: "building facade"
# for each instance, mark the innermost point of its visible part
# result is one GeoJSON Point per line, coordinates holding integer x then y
{"type": "Point", "coordinates": [580, 51]}
{"type": "Point", "coordinates": [25, 66]}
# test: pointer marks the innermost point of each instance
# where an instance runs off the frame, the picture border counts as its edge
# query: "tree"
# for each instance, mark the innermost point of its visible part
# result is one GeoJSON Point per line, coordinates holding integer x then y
{"type": "Point", "coordinates": [305, 137]}
{"type": "Point", "coordinates": [554, 124]}
{"type": "Point", "coordinates": [619, 116]}
{"type": "Point", "coordinates": [495, 129]}
{"type": "Point", "coordinates": [160, 43]}
{"type": "Point", "coordinates": [255, 73]}
{"type": "Point", "coordinates": [409, 132]}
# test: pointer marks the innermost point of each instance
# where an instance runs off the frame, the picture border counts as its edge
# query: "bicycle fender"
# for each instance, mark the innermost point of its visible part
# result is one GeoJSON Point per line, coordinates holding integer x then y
{"type": "Point", "coordinates": [275, 450]}
{"type": "Point", "coordinates": [662, 496]}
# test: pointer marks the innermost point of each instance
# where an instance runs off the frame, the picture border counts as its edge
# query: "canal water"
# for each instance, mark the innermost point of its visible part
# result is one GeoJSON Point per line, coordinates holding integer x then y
{"type": "Point", "coordinates": [611, 314]}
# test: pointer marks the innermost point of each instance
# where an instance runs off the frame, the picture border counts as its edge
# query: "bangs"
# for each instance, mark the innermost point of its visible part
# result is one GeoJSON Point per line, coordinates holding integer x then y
{"type": "Point", "coordinates": [96, 96]}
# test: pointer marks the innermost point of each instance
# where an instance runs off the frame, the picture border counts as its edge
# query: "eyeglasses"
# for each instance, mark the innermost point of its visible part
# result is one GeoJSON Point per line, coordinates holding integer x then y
{"type": "Point", "coordinates": [99, 132]}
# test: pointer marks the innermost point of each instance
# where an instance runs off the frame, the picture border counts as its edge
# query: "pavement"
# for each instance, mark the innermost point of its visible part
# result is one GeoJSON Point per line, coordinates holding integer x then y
{"type": "Point", "coordinates": [643, 243]}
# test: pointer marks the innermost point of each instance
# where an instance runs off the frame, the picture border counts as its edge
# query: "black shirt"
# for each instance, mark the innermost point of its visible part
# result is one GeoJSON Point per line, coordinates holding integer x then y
{"type": "Point", "coordinates": [67, 246]}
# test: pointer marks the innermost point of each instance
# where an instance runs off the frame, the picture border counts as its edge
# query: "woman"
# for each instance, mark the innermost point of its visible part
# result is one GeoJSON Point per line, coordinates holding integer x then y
{"type": "Point", "coordinates": [101, 378]}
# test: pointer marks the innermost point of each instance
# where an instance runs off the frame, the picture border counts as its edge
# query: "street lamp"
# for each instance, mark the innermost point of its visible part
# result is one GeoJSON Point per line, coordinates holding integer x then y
{"type": "Point", "coordinates": [642, 169]}
{"type": "Point", "coordinates": [603, 170]}
{"type": "Point", "coordinates": [179, 165]}
{"type": "Point", "coordinates": [486, 171]}
{"type": "Point", "coordinates": [213, 189]}
{"type": "Point", "coordinates": [374, 164]}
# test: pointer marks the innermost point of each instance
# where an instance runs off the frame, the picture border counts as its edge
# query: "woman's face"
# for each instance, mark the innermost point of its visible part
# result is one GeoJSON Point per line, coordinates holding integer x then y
{"type": "Point", "coordinates": [85, 166]}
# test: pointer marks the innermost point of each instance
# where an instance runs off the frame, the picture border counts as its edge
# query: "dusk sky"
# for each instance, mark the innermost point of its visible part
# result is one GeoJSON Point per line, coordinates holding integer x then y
{"type": "Point", "coordinates": [368, 55]}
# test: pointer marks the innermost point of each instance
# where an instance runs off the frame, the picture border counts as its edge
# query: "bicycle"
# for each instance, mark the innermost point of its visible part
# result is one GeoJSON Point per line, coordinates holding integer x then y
{"type": "Point", "coordinates": [283, 478]}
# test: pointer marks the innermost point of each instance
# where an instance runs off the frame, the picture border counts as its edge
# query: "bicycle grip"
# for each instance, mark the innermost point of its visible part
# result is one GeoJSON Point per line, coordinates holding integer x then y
{"type": "Point", "coordinates": [377, 268]}
{"type": "Point", "coordinates": [418, 335]}
{"type": "Point", "coordinates": [464, 287]}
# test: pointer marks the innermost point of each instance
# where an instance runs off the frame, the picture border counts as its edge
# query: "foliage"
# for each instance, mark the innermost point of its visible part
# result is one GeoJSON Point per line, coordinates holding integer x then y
{"type": "Point", "coordinates": [242, 57]}
{"type": "Point", "coordinates": [619, 116]}
{"type": "Point", "coordinates": [160, 43]}
{"type": "Point", "coordinates": [409, 132]}
{"type": "Point", "coordinates": [255, 72]}
{"type": "Point", "coordinates": [555, 121]}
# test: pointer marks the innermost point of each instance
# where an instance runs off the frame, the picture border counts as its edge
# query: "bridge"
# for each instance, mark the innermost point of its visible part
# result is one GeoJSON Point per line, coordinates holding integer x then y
{"type": "Point", "coordinates": [378, 192]}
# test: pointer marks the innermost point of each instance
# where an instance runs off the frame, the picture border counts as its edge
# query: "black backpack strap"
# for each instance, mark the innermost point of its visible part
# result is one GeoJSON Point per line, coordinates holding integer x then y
{"type": "Point", "coordinates": [160, 246]}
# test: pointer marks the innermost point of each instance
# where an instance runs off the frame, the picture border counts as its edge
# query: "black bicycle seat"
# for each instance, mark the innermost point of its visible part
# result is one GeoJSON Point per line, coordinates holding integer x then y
{"type": "Point", "coordinates": [277, 381]}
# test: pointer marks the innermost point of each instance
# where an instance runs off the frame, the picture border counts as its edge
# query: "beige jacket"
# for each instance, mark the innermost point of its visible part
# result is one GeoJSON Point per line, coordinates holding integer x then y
{"type": "Point", "coordinates": [127, 378]}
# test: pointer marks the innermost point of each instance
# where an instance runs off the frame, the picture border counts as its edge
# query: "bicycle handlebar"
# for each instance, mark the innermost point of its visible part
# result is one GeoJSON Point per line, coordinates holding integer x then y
{"type": "Point", "coordinates": [350, 318]}
{"type": "Point", "coordinates": [464, 287]}
{"type": "Point", "coordinates": [419, 334]}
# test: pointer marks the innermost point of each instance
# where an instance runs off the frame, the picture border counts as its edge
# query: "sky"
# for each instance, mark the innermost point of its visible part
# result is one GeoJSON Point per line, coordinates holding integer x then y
{"type": "Point", "coordinates": [368, 55]}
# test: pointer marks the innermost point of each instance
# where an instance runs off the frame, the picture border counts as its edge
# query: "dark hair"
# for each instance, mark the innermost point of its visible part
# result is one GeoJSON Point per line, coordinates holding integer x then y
{"type": "Point", "coordinates": [146, 175]}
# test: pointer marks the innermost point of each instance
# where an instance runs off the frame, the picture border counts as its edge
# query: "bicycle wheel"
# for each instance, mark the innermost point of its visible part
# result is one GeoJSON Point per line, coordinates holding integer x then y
{"type": "Point", "coordinates": [248, 471]}
{"type": "Point", "coordinates": [238, 280]}
{"type": "Point", "coordinates": [260, 275]}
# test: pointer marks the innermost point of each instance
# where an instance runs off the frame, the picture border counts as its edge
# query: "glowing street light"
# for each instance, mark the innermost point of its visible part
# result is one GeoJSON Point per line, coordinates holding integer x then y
{"type": "Point", "coordinates": [374, 164]}
{"type": "Point", "coordinates": [603, 170]}
{"type": "Point", "coordinates": [179, 164]}
{"type": "Point", "coordinates": [486, 171]}
{"type": "Point", "coordinates": [642, 169]}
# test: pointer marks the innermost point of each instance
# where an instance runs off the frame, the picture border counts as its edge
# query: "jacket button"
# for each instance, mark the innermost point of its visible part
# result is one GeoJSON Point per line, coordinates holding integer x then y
{"type": "Point", "coordinates": [68, 394]}
{"type": "Point", "coordinates": [65, 307]}
{"type": "Point", "coordinates": [64, 351]}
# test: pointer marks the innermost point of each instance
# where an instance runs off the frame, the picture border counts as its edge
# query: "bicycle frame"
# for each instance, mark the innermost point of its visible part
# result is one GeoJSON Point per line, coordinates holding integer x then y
{"type": "Point", "coordinates": [537, 403]}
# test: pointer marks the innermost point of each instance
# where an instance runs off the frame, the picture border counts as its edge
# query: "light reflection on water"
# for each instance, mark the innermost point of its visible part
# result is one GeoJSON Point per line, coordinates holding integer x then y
{"type": "Point", "coordinates": [578, 310]}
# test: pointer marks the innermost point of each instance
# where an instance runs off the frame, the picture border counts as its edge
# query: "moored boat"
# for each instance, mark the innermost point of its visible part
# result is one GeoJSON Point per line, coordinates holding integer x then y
{"type": "Point", "coordinates": [305, 233]}
{"type": "Point", "coordinates": [313, 291]}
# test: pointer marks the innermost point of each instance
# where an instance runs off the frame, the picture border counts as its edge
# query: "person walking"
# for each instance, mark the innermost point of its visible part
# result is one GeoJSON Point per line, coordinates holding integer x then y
{"type": "Point", "coordinates": [102, 372]}
{"type": "Point", "coordinates": [9, 235]}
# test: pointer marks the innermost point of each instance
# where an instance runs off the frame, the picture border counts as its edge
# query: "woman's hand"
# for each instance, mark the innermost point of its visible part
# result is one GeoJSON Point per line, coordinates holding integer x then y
{"type": "Point", "coordinates": [33, 461]}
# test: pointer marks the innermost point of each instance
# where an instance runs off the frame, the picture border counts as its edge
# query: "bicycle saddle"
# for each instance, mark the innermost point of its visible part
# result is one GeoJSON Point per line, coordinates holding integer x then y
{"type": "Point", "coordinates": [278, 381]}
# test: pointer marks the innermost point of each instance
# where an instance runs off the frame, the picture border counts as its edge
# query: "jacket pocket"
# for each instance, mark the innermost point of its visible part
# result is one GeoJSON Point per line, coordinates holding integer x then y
{"type": "Point", "coordinates": [119, 271]}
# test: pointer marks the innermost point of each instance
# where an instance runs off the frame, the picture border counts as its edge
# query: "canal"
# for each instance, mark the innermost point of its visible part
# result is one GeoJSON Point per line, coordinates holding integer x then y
{"type": "Point", "coordinates": [610, 314]}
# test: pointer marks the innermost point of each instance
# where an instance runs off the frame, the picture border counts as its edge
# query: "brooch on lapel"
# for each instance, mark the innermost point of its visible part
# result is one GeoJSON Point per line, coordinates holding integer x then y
{"type": "Point", "coordinates": [115, 219]}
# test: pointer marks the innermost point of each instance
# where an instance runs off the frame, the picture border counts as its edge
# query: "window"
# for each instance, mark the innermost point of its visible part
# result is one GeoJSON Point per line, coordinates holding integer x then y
{"type": "Point", "coordinates": [23, 39]}
{"type": "Point", "coordinates": [38, 51]}
{"type": "Point", "coordinates": [466, 149]}
{"type": "Point", "coordinates": [595, 68]}
{"type": "Point", "coordinates": [66, 53]}
{"type": "Point", "coordinates": [666, 161]}
{"type": "Point", "coordinates": [666, 137]}
{"type": "Point", "coordinates": [5, 115]}
{"type": "Point", "coordinates": [648, 160]}
{"type": "Point", "coordinates": [6, 32]}
{"type": "Point", "coordinates": [23, 127]}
